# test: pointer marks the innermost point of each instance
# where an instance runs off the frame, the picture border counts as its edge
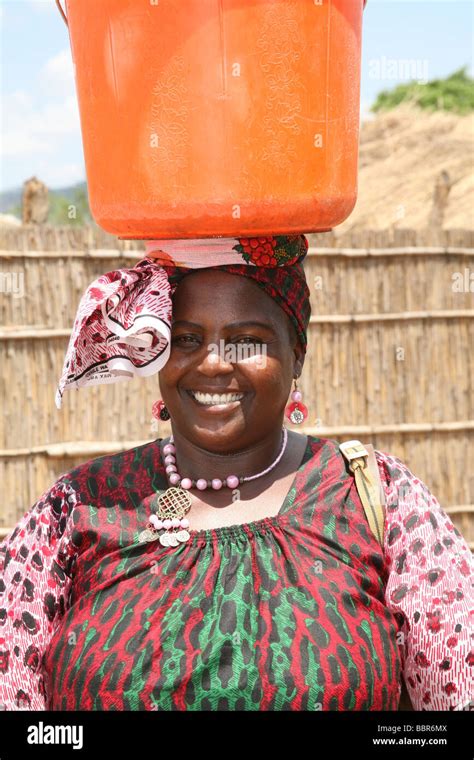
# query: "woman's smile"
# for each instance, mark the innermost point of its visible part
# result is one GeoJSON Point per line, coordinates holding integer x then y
{"type": "Point", "coordinates": [216, 403]}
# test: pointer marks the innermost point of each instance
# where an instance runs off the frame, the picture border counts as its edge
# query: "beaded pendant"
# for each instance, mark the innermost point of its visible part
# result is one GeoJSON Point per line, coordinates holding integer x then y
{"type": "Point", "coordinates": [173, 505]}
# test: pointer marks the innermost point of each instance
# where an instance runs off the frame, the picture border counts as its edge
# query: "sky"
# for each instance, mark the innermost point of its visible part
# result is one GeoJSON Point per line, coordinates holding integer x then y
{"type": "Point", "coordinates": [39, 118]}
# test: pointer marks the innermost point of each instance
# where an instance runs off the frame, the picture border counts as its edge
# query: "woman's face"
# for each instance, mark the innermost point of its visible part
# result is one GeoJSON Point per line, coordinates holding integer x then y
{"type": "Point", "coordinates": [228, 336]}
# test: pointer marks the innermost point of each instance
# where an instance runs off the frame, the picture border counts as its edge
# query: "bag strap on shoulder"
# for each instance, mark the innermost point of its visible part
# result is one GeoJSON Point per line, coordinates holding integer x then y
{"type": "Point", "coordinates": [363, 464]}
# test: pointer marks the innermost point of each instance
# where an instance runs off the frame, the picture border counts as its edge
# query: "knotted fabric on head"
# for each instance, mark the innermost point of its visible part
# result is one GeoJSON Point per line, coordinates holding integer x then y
{"type": "Point", "coordinates": [122, 327]}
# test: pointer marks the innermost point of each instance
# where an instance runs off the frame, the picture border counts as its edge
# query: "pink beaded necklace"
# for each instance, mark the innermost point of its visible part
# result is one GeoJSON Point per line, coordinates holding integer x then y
{"type": "Point", "coordinates": [175, 502]}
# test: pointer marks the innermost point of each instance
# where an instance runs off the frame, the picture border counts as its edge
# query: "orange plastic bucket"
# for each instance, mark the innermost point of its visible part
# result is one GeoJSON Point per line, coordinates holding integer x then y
{"type": "Point", "coordinates": [206, 118]}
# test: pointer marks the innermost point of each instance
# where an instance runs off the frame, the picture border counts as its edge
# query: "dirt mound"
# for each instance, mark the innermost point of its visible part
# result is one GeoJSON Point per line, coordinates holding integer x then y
{"type": "Point", "coordinates": [9, 220]}
{"type": "Point", "coordinates": [403, 154]}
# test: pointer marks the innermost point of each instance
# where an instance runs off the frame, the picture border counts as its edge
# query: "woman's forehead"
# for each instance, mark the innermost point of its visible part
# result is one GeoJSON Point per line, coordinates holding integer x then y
{"type": "Point", "coordinates": [213, 297]}
{"type": "Point", "coordinates": [221, 293]}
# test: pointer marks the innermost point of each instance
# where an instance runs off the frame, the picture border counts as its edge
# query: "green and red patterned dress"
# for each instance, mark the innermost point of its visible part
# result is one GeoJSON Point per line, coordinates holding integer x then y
{"type": "Point", "coordinates": [300, 611]}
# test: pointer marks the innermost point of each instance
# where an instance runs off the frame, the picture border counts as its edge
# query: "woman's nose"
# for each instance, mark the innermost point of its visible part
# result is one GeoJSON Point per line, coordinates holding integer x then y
{"type": "Point", "coordinates": [215, 359]}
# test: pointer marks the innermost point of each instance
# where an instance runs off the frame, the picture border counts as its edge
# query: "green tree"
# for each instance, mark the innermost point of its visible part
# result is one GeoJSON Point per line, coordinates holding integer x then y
{"type": "Point", "coordinates": [455, 93]}
{"type": "Point", "coordinates": [73, 211]}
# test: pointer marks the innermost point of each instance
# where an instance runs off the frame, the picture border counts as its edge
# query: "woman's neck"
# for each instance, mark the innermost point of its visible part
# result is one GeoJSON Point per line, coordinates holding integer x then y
{"type": "Point", "coordinates": [194, 462]}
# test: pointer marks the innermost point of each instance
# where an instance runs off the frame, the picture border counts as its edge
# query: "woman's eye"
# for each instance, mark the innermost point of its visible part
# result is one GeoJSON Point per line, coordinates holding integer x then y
{"type": "Point", "coordinates": [249, 339]}
{"type": "Point", "coordinates": [190, 339]}
{"type": "Point", "coordinates": [184, 339]}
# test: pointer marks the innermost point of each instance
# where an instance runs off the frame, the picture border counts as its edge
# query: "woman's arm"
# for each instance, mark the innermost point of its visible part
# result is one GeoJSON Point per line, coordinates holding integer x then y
{"type": "Point", "coordinates": [430, 584]}
{"type": "Point", "coordinates": [35, 565]}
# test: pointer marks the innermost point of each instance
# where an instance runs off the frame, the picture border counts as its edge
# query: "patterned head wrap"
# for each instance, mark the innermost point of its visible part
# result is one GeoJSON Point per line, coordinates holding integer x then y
{"type": "Point", "coordinates": [123, 324]}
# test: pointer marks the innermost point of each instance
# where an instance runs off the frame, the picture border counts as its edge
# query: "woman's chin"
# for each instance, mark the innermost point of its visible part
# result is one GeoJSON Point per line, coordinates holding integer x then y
{"type": "Point", "coordinates": [216, 432]}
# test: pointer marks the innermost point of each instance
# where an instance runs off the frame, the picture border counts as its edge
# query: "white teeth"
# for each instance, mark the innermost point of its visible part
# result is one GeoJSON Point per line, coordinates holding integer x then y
{"type": "Point", "coordinates": [214, 398]}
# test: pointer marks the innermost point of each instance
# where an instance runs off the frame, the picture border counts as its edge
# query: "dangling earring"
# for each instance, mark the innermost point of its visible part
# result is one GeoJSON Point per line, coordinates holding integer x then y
{"type": "Point", "coordinates": [160, 411]}
{"type": "Point", "coordinates": [296, 412]}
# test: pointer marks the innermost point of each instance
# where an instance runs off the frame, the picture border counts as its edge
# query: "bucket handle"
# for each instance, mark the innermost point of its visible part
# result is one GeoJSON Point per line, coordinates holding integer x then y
{"type": "Point", "coordinates": [58, 3]}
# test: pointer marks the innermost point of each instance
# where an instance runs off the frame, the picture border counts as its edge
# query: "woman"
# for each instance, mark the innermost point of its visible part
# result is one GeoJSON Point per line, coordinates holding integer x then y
{"type": "Point", "coordinates": [255, 583]}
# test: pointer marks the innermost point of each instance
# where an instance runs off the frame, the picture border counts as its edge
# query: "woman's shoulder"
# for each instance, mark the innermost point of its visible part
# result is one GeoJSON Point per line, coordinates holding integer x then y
{"type": "Point", "coordinates": [44, 530]}
{"type": "Point", "coordinates": [116, 470]}
{"type": "Point", "coordinates": [396, 476]}
{"type": "Point", "coordinates": [393, 469]}
{"type": "Point", "coordinates": [404, 490]}
{"type": "Point", "coordinates": [328, 446]}
{"type": "Point", "coordinates": [330, 452]}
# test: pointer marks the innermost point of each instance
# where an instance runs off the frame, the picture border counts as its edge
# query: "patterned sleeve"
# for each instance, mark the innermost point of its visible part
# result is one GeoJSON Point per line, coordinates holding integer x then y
{"type": "Point", "coordinates": [430, 586]}
{"type": "Point", "coordinates": [36, 561]}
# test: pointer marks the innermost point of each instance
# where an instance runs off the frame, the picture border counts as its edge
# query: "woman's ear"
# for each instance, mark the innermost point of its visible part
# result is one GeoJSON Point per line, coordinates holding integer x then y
{"type": "Point", "coordinates": [298, 353]}
{"type": "Point", "coordinates": [299, 361]}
